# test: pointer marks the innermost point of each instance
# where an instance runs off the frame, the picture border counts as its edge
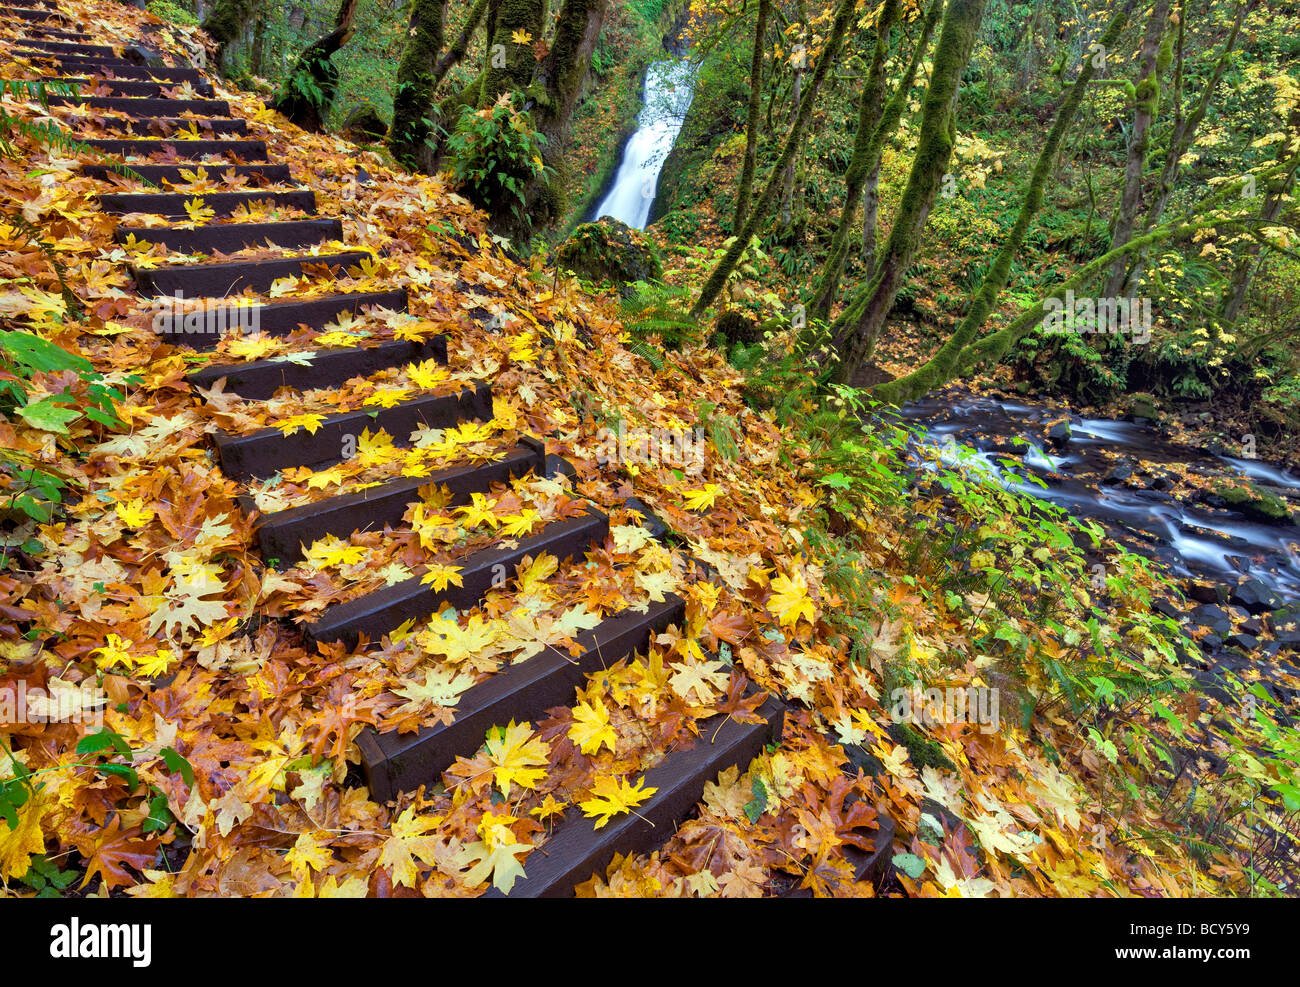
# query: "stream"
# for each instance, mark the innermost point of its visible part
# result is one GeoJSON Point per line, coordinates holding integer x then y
{"type": "Point", "coordinates": [1239, 568]}
{"type": "Point", "coordinates": [669, 86]}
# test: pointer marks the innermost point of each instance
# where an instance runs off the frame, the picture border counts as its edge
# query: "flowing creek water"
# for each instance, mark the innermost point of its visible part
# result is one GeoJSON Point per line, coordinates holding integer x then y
{"type": "Point", "coordinates": [1239, 568]}
{"type": "Point", "coordinates": [669, 86]}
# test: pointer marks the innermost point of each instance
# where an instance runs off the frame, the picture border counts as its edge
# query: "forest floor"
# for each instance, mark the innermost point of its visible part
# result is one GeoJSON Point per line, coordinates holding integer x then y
{"type": "Point", "coordinates": [227, 762]}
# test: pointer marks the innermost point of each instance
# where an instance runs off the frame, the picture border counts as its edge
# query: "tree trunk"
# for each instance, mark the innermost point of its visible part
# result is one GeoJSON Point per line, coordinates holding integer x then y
{"type": "Point", "coordinates": [511, 63]}
{"type": "Point", "coordinates": [854, 333]}
{"type": "Point", "coordinates": [225, 23]}
{"type": "Point", "coordinates": [308, 93]}
{"type": "Point", "coordinates": [718, 277]}
{"type": "Point", "coordinates": [555, 90]}
{"type": "Point", "coordinates": [940, 366]}
{"type": "Point", "coordinates": [870, 220]}
{"type": "Point", "coordinates": [875, 124]}
{"type": "Point", "coordinates": [1184, 134]}
{"type": "Point", "coordinates": [258, 49]}
{"type": "Point", "coordinates": [1244, 272]}
{"type": "Point", "coordinates": [787, 180]}
{"type": "Point", "coordinates": [752, 123]}
{"type": "Point", "coordinates": [413, 93]}
{"type": "Point", "coordinates": [1147, 105]}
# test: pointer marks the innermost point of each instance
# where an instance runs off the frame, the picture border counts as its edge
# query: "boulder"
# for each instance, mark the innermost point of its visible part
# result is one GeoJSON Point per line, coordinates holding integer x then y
{"type": "Point", "coordinates": [364, 125]}
{"type": "Point", "coordinates": [610, 251]}
{"type": "Point", "coordinates": [1215, 618]}
{"type": "Point", "coordinates": [1255, 596]}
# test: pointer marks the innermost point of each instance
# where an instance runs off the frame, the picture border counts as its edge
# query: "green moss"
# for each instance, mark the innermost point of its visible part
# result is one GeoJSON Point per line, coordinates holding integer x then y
{"type": "Point", "coordinates": [172, 13]}
{"type": "Point", "coordinates": [1254, 502]}
{"type": "Point", "coordinates": [610, 251]}
{"type": "Point", "coordinates": [923, 751]}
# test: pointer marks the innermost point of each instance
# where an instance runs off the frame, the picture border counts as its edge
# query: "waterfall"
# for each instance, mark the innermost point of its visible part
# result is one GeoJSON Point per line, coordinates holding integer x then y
{"type": "Point", "coordinates": [668, 90]}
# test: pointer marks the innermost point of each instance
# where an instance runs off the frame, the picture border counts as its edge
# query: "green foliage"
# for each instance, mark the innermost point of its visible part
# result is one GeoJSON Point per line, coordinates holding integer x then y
{"type": "Point", "coordinates": [172, 13]}
{"type": "Point", "coordinates": [495, 153]}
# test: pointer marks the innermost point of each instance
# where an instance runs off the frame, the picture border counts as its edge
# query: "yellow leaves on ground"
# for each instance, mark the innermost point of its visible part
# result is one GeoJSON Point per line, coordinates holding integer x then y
{"type": "Point", "coordinates": [612, 797]}
{"type": "Point", "coordinates": [441, 576]}
{"type": "Point", "coordinates": [515, 759]}
{"type": "Point", "coordinates": [331, 551]}
{"type": "Point", "coordinates": [591, 727]}
{"type": "Point", "coordinates": [702, 499]}
{"type": "Point", "coordinates": [495, 853]}
{"type": "Point", "coordinates": [790, 600]}
{"type": "Point", "coordinates": [310, 422]}
{"type": "Point", "coordinates": [409, 841]}
{"type": "Point", "coordinates": [18, 843]}
{"type": "Point", "coordinates": [134, 513]}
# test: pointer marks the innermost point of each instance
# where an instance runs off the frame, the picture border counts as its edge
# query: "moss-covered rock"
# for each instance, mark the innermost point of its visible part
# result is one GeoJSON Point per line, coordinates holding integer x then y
{"type": "Point", "coordinates": [364, 125]}
{"type": "Point", "coordinates": [1254, 503]}
{"type": "Point", "coordinates": [610, 251]}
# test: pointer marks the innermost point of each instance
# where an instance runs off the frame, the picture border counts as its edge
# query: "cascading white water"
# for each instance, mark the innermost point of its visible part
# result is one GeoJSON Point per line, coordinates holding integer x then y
{"type": "Point", "coordinates": [669, 86]}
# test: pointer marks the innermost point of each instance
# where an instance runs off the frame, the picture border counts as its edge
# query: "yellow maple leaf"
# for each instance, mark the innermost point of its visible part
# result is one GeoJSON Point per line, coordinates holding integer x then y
{"type": "Point", "coordinates": [612, 797]}
{"type": "Point", "coordinates": [331, 551]}
{"type": "Point", "coordinates": [790, 600]}
{"type": "Point", "coordinates": [134, 513]}
{"type": "Point", "coordinates": [198, 212]}
{"type": "Point", "coordinates": [440, 576]}
{"type": "Point", "coordinates": [408, 842]}
{"type": "Point", "coordinates": [591, 727]}
{"type": "Point", "coordinates": [533, 574]}
{"type": "Point", "coordinates": [17, 844]}
{"type": "Point", "coordinates": [523, 523]}
{"type": "Point", "coordinates": [116, 651]}
{"type": "Point", "coordinates": [310, 422]}
{"type": "Point", "coordinates": [388, 397]}
{"type": "Point", "coordinates": [308, 854]}
{"type": "Point", "coordinates": [521, 37]}
{"type": "Point", "coordinates": [479, 511]}
{"type": "Point", "coordinates": [515, 758]}
{"type": "Point", "coordinates": [699, 500]}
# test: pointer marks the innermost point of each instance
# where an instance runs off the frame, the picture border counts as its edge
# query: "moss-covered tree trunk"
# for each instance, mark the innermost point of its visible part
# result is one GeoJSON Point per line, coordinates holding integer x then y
{"type": "Point", "coordinates": [798, 63]}
{"type": "Point", "coordinates": [555, 91]}
{"type": "Point", "coordinates": [863, 172]}
{"type": "Point", "coordinates": [308, 92]}
{"type": "Point", "coordinates": [1185, 129]}
{"type": "Point", "coordinates": [226, 21]}
{"type": "Point", "coordinates": [511, 60]}
{"type": "Point", "coordinates": [718, 276]}
{"type": "Point", "coordinates": [1277, 197]}
{"type": "Point", "coordinates": [1147, 105]}
{"type": "Point", "coordinates": [746, 183]}
{"type": "Point", "coordinates": [940, 367]}
{"type": "Point", "coordinates": [413, 93]}
{"type": "Point", "coordinates": [854, 333]}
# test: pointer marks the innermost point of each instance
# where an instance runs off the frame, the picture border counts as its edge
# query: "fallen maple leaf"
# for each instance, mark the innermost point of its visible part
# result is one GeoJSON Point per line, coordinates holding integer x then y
{"type": "Point", "coordinates": [612, 797]}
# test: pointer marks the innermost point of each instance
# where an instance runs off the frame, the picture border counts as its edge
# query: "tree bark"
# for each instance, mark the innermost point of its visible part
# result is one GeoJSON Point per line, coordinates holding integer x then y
{"type": "Point", "coordinates": [718, 277]}
{"type": "Point", "coordinates": [308, 93]}
{"type": "Point", "coordinates": [875, 125]}
{"type": "Point", "coordinates": [511, 63]}
{"type": "Point", "coordinates": [1184, 134]}
{"type": "Point", "coordinates": [854, 333]}
{"type": "Point", "coordinates": [1234, 298]}
{"type": "Point", "coordinates": [940, 366]}
{"type": "Point", "coordinates": [555, 90]}
{"type": "Point", "coordinates": [225, 23]}
{"type": "Point", "coordinates": [1147, 105]}
{"type": "Point", "coordinates": [752, 123]}
{"type": "Point", "coordinates": [413, 93]}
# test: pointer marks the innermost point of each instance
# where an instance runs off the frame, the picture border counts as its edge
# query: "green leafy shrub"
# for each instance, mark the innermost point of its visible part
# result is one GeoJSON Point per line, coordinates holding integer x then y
{"type": "Point", "coordinates": [495, 153]}
{"type": "Point", "coordinates": [172, 13]}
